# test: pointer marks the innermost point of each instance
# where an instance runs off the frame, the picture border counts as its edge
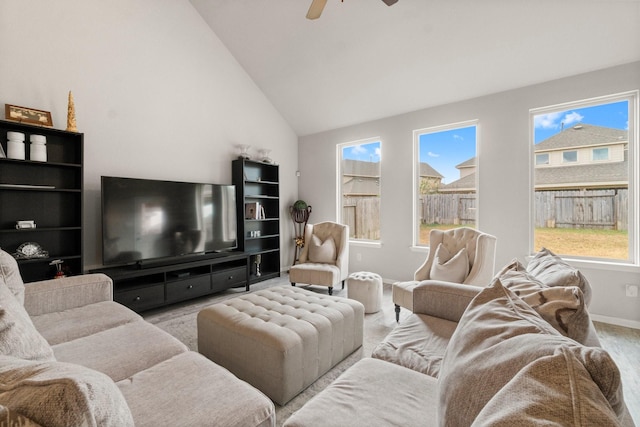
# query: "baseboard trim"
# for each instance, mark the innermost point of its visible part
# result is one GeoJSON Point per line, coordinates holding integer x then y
{"type": "Point", "coordinates": [616, 321]}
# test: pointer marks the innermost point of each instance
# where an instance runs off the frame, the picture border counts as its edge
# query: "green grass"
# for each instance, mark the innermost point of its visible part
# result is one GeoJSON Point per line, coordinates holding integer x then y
{"type": "Point", "coordinates": [596, 243]}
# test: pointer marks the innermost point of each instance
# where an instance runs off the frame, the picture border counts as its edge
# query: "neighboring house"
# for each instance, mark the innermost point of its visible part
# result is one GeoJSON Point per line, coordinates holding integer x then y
{"type": "Point", "coordinates": [430, 179]}
{"type": "Point", "coordinates": [578, 158]}
{"type": "Point", "coordinates": [360, 178]}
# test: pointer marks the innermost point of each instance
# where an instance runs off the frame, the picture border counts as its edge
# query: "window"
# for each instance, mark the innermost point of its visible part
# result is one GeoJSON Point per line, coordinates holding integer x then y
{"type": "Point", "coordinates": [599, 154]}
{"type": "Point", "coordinates": [584, 203]}
{"type": "Point", "coordinates": [445, 170]}
{"type": "Point", "coordinates": [542, 159]}
{"type": "Point", "coordinates": [569, 156]}
{"type": "Point", "coordinates": [359, 188]}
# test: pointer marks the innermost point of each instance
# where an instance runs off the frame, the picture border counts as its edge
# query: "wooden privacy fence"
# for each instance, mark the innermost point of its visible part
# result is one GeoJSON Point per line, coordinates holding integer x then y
{"type": "Point", "coordinates": [458, 209]}
{"type": "Point", "coordinates": [362, 215]}
{"type": "Point", "coordinates": [603, 209]}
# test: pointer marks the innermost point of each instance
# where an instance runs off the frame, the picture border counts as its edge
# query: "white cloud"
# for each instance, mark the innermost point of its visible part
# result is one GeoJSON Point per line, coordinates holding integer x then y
{"type": "Point", "coordinates": [456, 136]}
{"type": "Point", "coordinates": [547, 121]}
{"type": "Point", "coordinates": [358, 149]}
{"type": "Point", "coordinates": [572, 117]}
{"type": "Point", "coordinates": [432, 154]}
{"type": "Point", "coordinates": [378, 152]}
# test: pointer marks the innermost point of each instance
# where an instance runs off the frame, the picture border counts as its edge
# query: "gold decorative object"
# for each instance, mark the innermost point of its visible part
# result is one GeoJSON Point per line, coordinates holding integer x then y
{"type": "Point", "coordinates": [71, 115]}
{"type": "Point", "coordinates": [299, 212]}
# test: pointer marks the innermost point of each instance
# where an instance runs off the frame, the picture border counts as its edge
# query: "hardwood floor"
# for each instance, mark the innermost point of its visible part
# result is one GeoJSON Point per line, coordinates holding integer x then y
{"type": "Point", "coordinates": [623, 344]}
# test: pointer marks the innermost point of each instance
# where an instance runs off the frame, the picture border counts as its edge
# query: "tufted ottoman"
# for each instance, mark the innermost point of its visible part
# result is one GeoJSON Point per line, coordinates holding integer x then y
{"type": "Point", "coordinates": [367, 288]}
{"type": "Point", "coordinates": [281, 339]}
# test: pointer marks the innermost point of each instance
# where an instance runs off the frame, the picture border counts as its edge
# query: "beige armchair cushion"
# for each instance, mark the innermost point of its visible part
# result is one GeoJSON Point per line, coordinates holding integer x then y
{"type": "Point", "coordinates": [323, 252]}
{"type": "Point", "coordinates": [450, 267]}
{"type": "Point", "coordinates": [498, 336]}
{"type": "Point", "coordinates": [61, 394]}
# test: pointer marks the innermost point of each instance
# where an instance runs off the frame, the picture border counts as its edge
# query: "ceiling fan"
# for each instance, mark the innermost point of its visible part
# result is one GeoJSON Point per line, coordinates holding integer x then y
{"type": "Point", "coordinates": [315, 10]}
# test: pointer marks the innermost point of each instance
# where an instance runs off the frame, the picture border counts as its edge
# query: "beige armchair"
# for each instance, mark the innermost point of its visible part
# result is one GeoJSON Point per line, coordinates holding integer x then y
{"type": "Point", "coordinates": [324, 259]}
{"type": "Point", "coordinates": [459, 255]}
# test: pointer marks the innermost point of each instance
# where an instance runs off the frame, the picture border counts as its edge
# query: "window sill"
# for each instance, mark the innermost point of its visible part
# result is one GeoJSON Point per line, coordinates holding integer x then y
{"type": "Point", "coordinates": [366, 243]}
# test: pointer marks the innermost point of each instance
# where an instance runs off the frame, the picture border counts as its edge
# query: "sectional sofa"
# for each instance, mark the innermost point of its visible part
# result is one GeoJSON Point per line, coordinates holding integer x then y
{"type": "Point", "coordinates": [521, 351]}
{"type": "Point", "coordinates": [70, 356]}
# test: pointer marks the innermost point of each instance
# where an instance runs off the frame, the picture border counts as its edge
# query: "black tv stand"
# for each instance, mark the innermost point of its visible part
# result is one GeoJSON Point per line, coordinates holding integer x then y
{"type": "Point", "coordinates": [149, 286]}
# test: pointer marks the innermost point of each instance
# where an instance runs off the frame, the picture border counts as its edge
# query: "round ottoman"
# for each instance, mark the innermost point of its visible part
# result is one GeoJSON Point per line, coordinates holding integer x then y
{"type": "Point", "coordinates": [366, 288]}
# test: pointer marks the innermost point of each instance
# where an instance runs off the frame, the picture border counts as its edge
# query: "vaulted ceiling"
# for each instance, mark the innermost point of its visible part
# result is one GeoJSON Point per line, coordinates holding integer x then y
{"type": "Point", "coordinates": [363, 60]}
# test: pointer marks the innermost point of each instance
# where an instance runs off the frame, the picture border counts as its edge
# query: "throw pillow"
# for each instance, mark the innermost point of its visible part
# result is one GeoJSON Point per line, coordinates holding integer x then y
{"type": "Point", "coordinates": [552, 270]}
{"type": "Point", "coordinates": [10, 272]}
{"type": "Point", "coordinates": [448, 267]}
{"type": "Point", "coordinates": [553, 390]}
{"type": "Point", "coordinates": [323, 252]}
{"type": "Point", "coordinates": [562, 307]}
{"type": "Point", "coordinates": [61, 394]}
{"type": "Point", "coordinates": [497, 336]}
{"type": "Point", "coordinates": [13, 419]}
{"type": "Point", "coordinates": [18, 336]}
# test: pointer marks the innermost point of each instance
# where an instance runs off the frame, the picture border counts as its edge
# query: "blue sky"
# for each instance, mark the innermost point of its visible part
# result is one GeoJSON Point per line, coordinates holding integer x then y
{"type": "Point", "coordinates": [366, 152]}
{"type": "Point", "coordinates": [445, 149]}
{"type": "Point", "coordinates": [614, 115]}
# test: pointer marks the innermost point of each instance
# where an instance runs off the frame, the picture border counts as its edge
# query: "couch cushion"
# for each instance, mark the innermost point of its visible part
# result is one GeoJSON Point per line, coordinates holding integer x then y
{"type": "Point", "coordinates": [323, 252]}
{"type": "Point", "coordinates": [449, 267]}
{"type": "Point", "coordinates": [562, 307]}
{"type": "Point", "coordinates": [372, 393]}
{"type": "Point", "coordinates": [135, 346]}
{"type": "Point", "coordinates": [498, 335]}
{"type": "Point", "coordinates": [179, 387]}
{"type": "Point", "coordinates": [18, 336]}
{"type": "Point", "coordinates": [61, 394]}
{"type": "Point", "coordinates": [552, 270]}
{"type": "Point", "coordinates": [63, 326]}
{"type": "Point", "coordinates": [553, 390]}
{"type": "Point", "coordinates": [10, 274]}
{"type": "Point", "coordinates": [418, 343]}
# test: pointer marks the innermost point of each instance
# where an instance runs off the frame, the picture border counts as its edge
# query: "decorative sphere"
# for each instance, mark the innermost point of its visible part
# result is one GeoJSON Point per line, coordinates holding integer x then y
{"type": "Point", "coordinates": [300, 205]}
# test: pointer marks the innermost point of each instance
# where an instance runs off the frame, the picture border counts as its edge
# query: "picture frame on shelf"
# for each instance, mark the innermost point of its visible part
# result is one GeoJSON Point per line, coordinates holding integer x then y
{"type": "Point", "coordinates": [252, 210]}
{"type": "Point", "coordinates": [32, 116]}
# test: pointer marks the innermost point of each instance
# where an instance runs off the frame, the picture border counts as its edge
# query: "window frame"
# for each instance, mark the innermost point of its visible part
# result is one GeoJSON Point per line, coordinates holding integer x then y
{"type": "Point", "coordinates": [605, 159]}
{"type": "Point", "coordinates": [632, 97]}
{"type": "Point", "coordinates": [416, 245]}
{"type": "Point", "coordinates": [564, 158]}
{"type": "Point", "coordinates": [546, 163]}
{"type": "Point", "coordinates": [339, 194]}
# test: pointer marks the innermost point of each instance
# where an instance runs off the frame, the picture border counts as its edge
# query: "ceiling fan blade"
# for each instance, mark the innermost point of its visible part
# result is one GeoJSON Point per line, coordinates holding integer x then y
{"type": "Point", "coordinates": [315, 10]}
{"type": "Point", "coordinates": [390, 2]}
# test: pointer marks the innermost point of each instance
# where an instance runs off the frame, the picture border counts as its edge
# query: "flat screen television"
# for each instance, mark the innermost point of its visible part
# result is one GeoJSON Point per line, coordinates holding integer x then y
{"type": "Point", "coordinates": [146, 220]}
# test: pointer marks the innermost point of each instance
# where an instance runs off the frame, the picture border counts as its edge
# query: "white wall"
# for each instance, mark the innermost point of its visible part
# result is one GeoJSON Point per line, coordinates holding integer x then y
{"type": "Point", "coordinates": [157, 94]}
{"type": "Point", "coordinates": [504, 196]}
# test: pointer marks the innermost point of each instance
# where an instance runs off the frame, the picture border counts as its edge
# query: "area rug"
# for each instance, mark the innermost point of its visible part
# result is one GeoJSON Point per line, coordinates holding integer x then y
{"type": "Point", "coordinates": [180, 321]}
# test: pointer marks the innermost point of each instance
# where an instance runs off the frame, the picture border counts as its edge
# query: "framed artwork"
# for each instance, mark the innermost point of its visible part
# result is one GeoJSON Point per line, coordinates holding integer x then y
{"type": "Point", "coordinates": [28, 115]}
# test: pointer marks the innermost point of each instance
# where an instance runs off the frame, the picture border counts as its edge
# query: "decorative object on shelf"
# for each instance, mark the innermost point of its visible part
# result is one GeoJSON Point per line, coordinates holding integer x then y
{"type": "Point", "coordinates": [257, 262]}
{"type": "Point", "coordinates": [299, 213]}
{"type": "Point", "coordinates": [244, 151]}
{"type": "Point", "coordinates": [38, 150]}
{"type": "Point", "coordinates": [30, 250]}
{"type": "Point", "coordinates": [28, 115]}
{"type": "Point", "coordinates": [264, 155]}
{"type": "Point", "coordinates": [15, 145]}
{"type": "Point", "coordinates": [58, 264]}
{"type": "Point", "coordinates": [26, 224]}
{"type": "Point", "coordinates": [71, 115]}
{"type": "Point", "coordinates": [252, 210]}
